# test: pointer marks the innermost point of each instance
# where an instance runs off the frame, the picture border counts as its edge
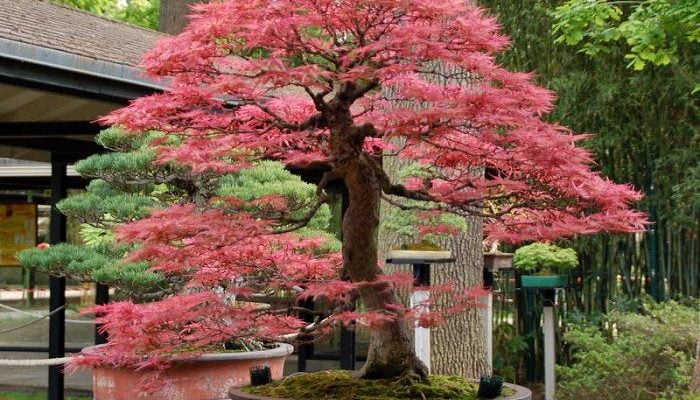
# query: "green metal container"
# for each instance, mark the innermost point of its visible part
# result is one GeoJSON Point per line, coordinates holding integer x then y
{"type": "Point", "coordinates": [544, 281]}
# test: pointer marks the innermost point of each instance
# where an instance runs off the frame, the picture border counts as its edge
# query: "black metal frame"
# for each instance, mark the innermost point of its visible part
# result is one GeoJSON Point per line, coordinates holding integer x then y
{"type": "Point", "coordinates": [33, 129]}
{"type": "Point", "coordinates": [57, 285]}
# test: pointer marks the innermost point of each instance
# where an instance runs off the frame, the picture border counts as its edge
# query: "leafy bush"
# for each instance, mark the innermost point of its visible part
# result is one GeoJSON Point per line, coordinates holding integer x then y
{"type": "Point", "coordinates": [508, 351]}
{"type": "Point", "coordinates": [647, 355]}
{"type": "Point", "coordinates": [545, 258]}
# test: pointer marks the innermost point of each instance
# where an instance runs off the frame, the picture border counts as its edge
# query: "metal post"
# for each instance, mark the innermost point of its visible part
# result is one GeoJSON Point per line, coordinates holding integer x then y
{"type": "Point", "coordinates": [549, 355]}
{"type": "Point", "coordinates": [305, 350]}
{"type": "Point", "coordinates": [28, 282]}
{"type": "Point", "coordinates": [657, 278]}
{"type": "Point", "coordinates": [421, 273]}
{"type": "Point", "coordinates": [101, 297]}
{"type": "Point", "coordinates": [301, 358]}
{"type": "Point", "coordinates": [57, 286]}
{"type": "Point", "coordinates": [347, 348]}
{"type": "Point", "coordinates": [487, 315]}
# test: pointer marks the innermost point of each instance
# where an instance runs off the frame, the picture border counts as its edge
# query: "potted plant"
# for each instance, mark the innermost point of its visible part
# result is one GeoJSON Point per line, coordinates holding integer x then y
{"type": "Point", "coordinates": [327, 89]}
{"type": "Point", "coordinates": [208, 375]}
{"type": "Point", "coordinates": [544, 265]}
{"type": "Point", "coordinates": [310, 386]}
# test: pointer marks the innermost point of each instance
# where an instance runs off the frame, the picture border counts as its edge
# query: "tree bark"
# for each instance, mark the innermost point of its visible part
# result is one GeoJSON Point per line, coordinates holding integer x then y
{"type": "Point", "coordinates": [458, 348]}
{"type": "Point", "coordinates": [173, 14]}
{"type": "Point", "coordinates": [390, 353]}
{"type": "Point", "coordinates": [695, 384]}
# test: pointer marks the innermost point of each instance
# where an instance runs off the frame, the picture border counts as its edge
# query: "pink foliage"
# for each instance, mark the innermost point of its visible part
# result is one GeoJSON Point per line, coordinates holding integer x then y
{"type": "Point", "coordinates": [250, 80]}
{"type": "Point", "coordinates": [492, 122]}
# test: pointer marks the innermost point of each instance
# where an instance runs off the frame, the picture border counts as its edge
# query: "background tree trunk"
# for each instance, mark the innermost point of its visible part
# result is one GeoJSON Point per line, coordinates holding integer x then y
{"type": "Point", "coordinates": [390, 353]}
{"type": "Point", "coordinates": [695, 384]}
{"type": "Point", "coordinates": [458, 348]}
{"type": "Point", "coordinates": [173, 14]}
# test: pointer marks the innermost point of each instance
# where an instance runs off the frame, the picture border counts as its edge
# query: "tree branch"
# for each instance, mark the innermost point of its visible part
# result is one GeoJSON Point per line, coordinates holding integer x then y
{"type": "Point", "coordinates": [322, 198]}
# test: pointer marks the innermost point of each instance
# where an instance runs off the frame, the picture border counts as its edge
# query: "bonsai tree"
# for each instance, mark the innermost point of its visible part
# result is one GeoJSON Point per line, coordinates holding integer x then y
{"type": "Point", "coordinates": [545, 259]}
{"type": "Point", "coordinates": [331, 87]}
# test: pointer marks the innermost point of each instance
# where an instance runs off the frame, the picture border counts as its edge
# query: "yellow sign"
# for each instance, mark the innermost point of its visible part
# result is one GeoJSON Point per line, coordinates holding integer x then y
{"type": "Point", "coordinates": [17, 231]}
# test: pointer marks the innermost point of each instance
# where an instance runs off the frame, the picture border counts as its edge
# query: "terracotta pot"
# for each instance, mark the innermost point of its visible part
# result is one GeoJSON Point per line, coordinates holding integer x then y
{"type": "Point", "coordinates": [207, 377]}
{"type": "Point", "coordinates": [521, 393]}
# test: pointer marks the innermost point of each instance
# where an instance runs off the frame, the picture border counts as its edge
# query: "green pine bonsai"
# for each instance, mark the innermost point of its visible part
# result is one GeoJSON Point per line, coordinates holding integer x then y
{"type": "Point", "coordinates": [545, 259]}
{"type": "Point", "coordinates": [128, 184]}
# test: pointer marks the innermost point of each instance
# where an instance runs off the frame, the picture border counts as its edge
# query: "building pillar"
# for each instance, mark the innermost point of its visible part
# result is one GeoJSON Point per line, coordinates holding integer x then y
{"type": "Point", "coordinates": [101, 297]}
{"type": "Point", "coordinates": [57, 285]}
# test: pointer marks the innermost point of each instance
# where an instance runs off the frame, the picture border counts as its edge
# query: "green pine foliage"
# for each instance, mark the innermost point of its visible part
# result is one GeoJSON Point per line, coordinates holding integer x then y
{"type": "Point", "coordinates": [406, 223]}
{"type": "Point", "coordinates": [128, 185]}
{"type": "Point", "coordinates": [102, 207]}
{"type": "Point", "coordinates": [101, 263]}
{"type": "Point", "coordinates": [271, 178]}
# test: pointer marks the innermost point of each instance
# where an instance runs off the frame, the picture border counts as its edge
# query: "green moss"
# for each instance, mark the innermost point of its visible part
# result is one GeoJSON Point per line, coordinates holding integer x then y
{"type": "Point", "coordinates": [340, 385]}
{"type": "Point", "coordinates": [422, 246]}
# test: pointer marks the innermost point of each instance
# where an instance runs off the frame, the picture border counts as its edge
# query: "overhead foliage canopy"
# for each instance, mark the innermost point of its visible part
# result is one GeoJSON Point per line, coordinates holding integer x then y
{"type": "Point", "coordinates": [656, 32]}
{"type": "Point", "coordinates": [287, 77]}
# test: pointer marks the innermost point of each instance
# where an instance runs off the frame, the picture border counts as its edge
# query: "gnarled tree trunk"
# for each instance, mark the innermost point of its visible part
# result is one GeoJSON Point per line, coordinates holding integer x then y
{"type": "Point", "coordinates": [390, 352]}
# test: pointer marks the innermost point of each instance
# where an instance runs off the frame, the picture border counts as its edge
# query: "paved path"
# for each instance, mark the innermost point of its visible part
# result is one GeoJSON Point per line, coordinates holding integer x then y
{"type": "Point", "coordinates": [28, 378]}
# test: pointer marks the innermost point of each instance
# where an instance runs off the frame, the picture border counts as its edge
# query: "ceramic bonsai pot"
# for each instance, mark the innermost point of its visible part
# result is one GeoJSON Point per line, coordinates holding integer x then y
{"type": "Point", "coordinates": [521, 393]}
{"type": "Point", "coordinates": [543, 281]}
{"type": "Point", "coordinates": [207, 377]}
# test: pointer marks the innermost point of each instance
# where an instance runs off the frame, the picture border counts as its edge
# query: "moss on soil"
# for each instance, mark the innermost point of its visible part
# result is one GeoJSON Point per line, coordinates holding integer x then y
{"type": "Point", "coordinates": [422, 246]}
{"type": "Point", "coordinates": [340, 385]}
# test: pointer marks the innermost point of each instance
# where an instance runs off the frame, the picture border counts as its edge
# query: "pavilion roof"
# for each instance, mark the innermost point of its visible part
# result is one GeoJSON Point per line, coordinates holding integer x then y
{"type": "Point", "coordinates": [66, 29]}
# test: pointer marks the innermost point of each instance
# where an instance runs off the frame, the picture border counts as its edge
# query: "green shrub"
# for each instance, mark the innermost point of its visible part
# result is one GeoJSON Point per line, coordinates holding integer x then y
{"type": "Point", "coordinates": [545, 258]}
{"type": "Point", "coordinates": [508, 351]}
{"type": "Point", "coordinates": [647, 355]}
